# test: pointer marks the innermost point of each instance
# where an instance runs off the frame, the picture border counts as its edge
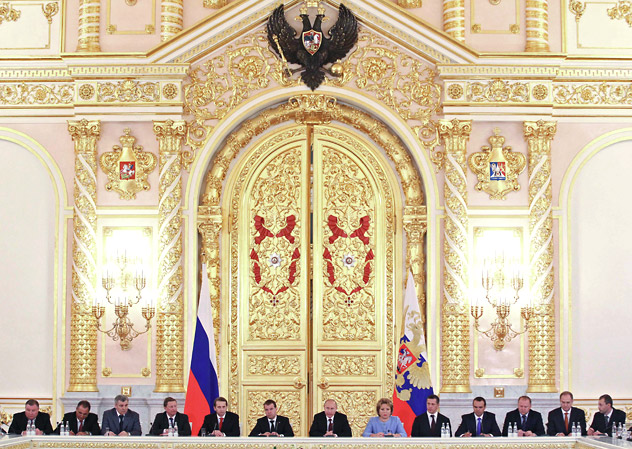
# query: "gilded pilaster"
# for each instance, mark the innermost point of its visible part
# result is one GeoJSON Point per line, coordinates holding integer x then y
{"type": "Point", "coordinates": [415, 226]}
{"type": "Point", "coordinates": [542, 328]}
{"type": "Point", "coordinates": [89, 18]}
{"type": "Point", "coordinates": [454, 19]}
{"type": "Point", "coordinates": [537, 18]}
{"type": "Point", "coordinates": [455, 346]}
{"type": "Point", "coordinates": [171, 18]}
{"type": "Point", "coordinates": [83, 333]}
{"type": "Point", "coordinates": [210, 228]}
{"type": "Point", "coordinates": [170, 307]}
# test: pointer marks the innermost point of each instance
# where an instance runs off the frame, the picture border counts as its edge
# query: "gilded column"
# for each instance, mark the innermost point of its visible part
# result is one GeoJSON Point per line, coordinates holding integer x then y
{"type": "Point", "coordinates": [83, 332]}
{"type": "Point", "coordinates": [542, 326]}
{"type": "Point", "coordinates": [89, 18]}
{"type": "Point", "coordinates": [170, 306]}
{"type": "Point", "coordinates": [415, 225]}
{"type": "Point", "coordinates": [537, 18]}
{"type": "Point", "coordinates": [171, 18]}
{"type": "Point", "coordinates": [454, 19]}
{"type": "Point", "coordinates": [455, 342]}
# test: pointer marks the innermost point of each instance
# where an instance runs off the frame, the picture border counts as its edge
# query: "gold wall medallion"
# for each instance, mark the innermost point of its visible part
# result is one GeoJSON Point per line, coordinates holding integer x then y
{"type": "Point", "coordinates": [127, 167]}
{"type": "Point", "coordinates": [497, 168]}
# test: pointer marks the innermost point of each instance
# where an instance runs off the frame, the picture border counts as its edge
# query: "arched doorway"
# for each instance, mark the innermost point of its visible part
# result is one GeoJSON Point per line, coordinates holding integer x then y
{"type": "Point", "coordinates": [312, 263]}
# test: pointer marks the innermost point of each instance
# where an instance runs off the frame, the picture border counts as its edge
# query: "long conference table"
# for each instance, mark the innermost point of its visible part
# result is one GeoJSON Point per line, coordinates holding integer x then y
{"type": "Point", "coordinates": [98, 442]}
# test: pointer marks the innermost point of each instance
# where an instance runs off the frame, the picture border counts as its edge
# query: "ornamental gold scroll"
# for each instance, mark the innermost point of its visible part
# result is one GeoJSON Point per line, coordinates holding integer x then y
{"type": "Point", "coordinates": [127, 167]}
{"type": "Point", "coordinates": [497, 168]}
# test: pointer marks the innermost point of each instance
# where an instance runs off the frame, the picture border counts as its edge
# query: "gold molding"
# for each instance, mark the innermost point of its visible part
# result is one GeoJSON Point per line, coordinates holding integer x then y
{"type": "Point", "coordinates": [454, 19]}
{"type": "Point", "coordinates": [112, 28]}
{"type": "Point", "coordinates": [215, 4]}
{"type": "Point", "coordinates": [409, 3]}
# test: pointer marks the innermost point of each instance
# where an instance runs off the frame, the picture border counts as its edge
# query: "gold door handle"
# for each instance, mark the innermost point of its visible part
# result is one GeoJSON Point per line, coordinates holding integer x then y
{"type": "Point", "coordinates": [324, 383]}
{"type": "Point", "coordinates": [298, 383]}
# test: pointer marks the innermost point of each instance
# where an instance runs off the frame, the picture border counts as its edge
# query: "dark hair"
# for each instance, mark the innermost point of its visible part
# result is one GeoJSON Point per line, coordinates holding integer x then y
{"type": "Point", "coordinates": [167, 400]}
{"type": "Point", "coordinates": [84, 404]}
{"type": "Point", "coordinates": [524, 397]}
{"type": "Point", "coordinates": [480, 399]}
{"type": "Point", "coordinates": [270, 402]}
{"type": "Point", "coordinates": [219, 399]}
{"type": "Point", "coordinates": [383, 401]}
{"type": "Point", "coordinates": [32, 402]}
{"type": "Point", "coordinates": [120, 398]}
{"type": "Point", "coordinates": [606, 398]}
{"type": "Point", "coordinates": [435, 397]}
{"type": "Point", "coordinates": [566, 393]}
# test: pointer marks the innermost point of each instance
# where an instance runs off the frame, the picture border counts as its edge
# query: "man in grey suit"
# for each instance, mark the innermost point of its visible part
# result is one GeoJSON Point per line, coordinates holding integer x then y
{"type": "Point", "coordinates": [120, 420]}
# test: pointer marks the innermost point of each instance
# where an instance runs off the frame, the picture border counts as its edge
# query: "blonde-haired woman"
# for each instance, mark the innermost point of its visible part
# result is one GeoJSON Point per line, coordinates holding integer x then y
{"type": "Point", "coordinates": [384, 424]}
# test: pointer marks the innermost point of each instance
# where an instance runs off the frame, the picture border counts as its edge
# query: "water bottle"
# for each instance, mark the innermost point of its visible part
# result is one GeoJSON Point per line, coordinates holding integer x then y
{"type": "Point", "coordinates": [444, 431]}
{"type": "Point", "coordinates": [66, 431]}
{"type": "Point", "coordinates": [175, 430]}
{"type": "Point", "coordinates": [574, 430]}
{"type": "Point", "coordinates": [515, 430]}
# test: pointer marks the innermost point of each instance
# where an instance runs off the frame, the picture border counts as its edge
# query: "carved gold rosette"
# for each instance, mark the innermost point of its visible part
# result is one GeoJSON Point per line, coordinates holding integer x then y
{"type": "Point", "coordinates": [83, 335]}
{"type": "Point", "coordinates": [89, 18]}
{"type": "Point", "coordinates": [454, 18]}
{"type": "Point", "coordinates": [537, 25]}
{"type": "Point", "coordinates": [455, 341]}
{"type": "Point", "coordinates": [542, 331]}
{"type": "Point", "coordinates": [497, 168]}
{"type": "Point", "coordinates": [171, 18]}
{"type": "Point", "coordinates": [170, 307]}
{"type": "Point", "coordinates": [127, 167]}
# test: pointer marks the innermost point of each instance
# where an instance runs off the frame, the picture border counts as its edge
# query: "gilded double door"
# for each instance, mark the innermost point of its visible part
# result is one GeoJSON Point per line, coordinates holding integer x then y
{"type": "Point", "coordinates": [315, 266]}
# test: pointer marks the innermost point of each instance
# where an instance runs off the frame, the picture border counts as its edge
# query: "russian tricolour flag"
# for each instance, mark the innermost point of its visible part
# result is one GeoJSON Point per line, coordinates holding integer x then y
{"type": "Point", "coordinates": [412, 378]}
{"type": "Point", "coordinates": [203, 386]}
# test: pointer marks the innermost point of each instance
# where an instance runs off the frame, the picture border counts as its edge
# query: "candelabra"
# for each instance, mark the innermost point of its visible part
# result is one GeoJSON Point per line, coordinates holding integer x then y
{"type": "Point", "coordinates": [496, 286]}
{"type": "Point", "coordinates": [123, 328]}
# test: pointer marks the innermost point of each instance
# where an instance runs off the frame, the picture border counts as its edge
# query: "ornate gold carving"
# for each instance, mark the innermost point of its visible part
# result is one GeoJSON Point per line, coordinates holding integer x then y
{"type": "Point", "coordinates": [539, 92]}
{"type": "Point", "coordinates": [415, 225]}
{"type": "Point", "coordinates": [8, 13]}
{"type": "Point", "coordinates": [621, 11]}
{"type": "Point", "coordinates": [89, 18]}
{"type": "Point", "coordinates": [127, 167]}
{"type": "Point", "coordinates": [170, 322]}
{"type": "Point", "coordinates": [409, 3]}
{"type": "Point", "coordinates": [349, 365]}
{"type": "Point", "coordinates": [542, 329]}
{"type": "Point", "coordinates": [518, 372]}
{"type": "Point", "coordinates": [36, 94]}
{"type": "Point", "coordinates": [5, 418]}
{"type": "Point", "coordinates": [86, 92]}
{"type": "Point", "coordinates": [111, 28]}
{"type": "Point", "coordinates": [577, 8]}
{"type": "Point", "coordinates": [145, 372]}
{"type": "Point", "coordinates": [49, 10]}
{"type": "Point", "coordinates": [128, 91]}
{"type": "Point", "coordinates": [83, 336]}
{"type": "Point", "coordinates": [455, 342]}
{"type": "Point", "coordinates": [313, 109]}
{"type": "Point", "coordinates": [106, 372]}
{"type": "Point", "coordinates": [454, 19]}
{"type": "Point", "coordinates": [273, 365]}
{"type": "Point", "coordinates": [476, 28]}
{"type": "Point", "coordinates": [479, 372]}
{"type": "Point", "coordinates": [497, 168]}
{"type": "Point", "coordinates": [348, 266]}
{"type": "Point", "coordinates": [514, 28]}
{"type": "Point", "coordinates": [150, 29]}
{"type": "Point", "coordinates": [171, 18]}
{"type": "Point", "coordinates": [590, 94]}
{"type": "Point", "coordinates": [170, 91]}
{"type": "Point", "coordinates": [537, 25]}
{"type": "Point", "coordinates": [214, 3]}
{"type": "Point", "coordinates": [288, 404]}
{"type": "Point", "coordinates": [455, 91]}
{"type": "Point", "coordinates": [498, 91]}
{"type": "Point", "coordinates": [359, 406]}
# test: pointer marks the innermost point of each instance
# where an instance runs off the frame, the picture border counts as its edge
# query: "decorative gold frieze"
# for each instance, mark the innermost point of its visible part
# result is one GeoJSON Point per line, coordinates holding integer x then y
{"type": "Point", "coordinates": [8, 13]}
{"type": "Point", "coordinates": [592, 94]}
{"type": "Point", "coordinates": [497, 168]}
{"type": "Point", "coordinates": [127, 167]}
{"type": "Point", "coordinates": [577, 8]}
{"type": "Point", "coordinates": [128, 91]}
{"type": "Point", "coordinates": [497, 91]}
{"type": "Point", "coordinates": [274, 365]}
{"type": "Point", "coordinates": [83, 334]}
{"type": "Point", "coordinates": [349, 365]}
{"type": "Point", "coordinates": [23, 94]}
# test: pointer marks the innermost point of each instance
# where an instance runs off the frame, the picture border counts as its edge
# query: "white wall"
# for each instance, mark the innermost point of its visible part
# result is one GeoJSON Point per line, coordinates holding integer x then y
{"type": "Point", "coordinates": [601, 261]}
{"type": "Point", "coordinates": [27, 244]}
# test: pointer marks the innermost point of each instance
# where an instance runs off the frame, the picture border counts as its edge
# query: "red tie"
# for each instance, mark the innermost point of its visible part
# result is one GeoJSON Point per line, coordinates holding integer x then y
{"type": "Point", "coordinates": [566, 421]}
{"type": "Point", "coordinates": [330, 428]}
{"type": "Point", "coordinates": [221, 422]}
{"type": "Point", "coordinates": [81, 426]}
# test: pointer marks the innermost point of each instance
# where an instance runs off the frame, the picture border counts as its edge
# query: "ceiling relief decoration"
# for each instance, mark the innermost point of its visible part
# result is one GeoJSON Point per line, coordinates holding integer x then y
{"type": "Point", "coordinates": [622, 11]}
{"type": "Point", "coordinates": [8, 13]}
{"type": "Point", "coordinates": [497, 168]}
{"type": "Point", "coordinates": [378, 68]}
{"type": "Point", "coordinates": [19, 19]}
{"type": "Point", "coordinates": [507, 10]}
{"type": "Point", "coordinates": [577, 8]}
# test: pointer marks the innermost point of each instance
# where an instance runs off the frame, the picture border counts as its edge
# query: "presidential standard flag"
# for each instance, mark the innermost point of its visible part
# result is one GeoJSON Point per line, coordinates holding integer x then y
{"type": "Point", "coordinates": [203, 386]}
{"type": "Point", "coordinates": [412, 377]}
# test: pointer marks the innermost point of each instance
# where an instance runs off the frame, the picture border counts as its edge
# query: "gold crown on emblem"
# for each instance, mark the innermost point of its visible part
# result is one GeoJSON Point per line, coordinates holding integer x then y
{"type": "Point", "coordinates": [496, 140]}
{"type": "Point", "coordinates": [312, 4]}
{"type": "Point", "coordinates": [127, 139]}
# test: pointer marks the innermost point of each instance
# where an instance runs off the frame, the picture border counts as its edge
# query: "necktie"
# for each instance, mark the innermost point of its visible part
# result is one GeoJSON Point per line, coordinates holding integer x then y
{"type": "Point", "coordinates": [80, 426]}
{"type": "Point", "coordinates": [330, 427]}
{"type": "Point", "coordinates": [524, 422]}
{"type": "Point", "coordinates": [566, 421]}
{"type": "Point", "coordinates": [432, 423]}
{"type": "Point", "coordinates": [121, 417]}
{"type": "Point", "coordinates": [605, 418]}
{"type": "Point", "coordinates": [170, 422]}
{"type": "Point", "coordinates": [221, 423]}
{"type": "Point", "coordinates": [478, 427]}
{"type": "Point", "coordinates": [271, 425]}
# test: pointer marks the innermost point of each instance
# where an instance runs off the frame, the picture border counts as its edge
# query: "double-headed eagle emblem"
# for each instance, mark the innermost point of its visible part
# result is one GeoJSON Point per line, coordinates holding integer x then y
{"type": "Point", "coordinates": [312, 50]}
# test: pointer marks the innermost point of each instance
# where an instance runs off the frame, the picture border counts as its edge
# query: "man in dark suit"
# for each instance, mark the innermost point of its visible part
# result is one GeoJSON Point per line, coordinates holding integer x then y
{"type": "Point", "coordinates": [429, 424]}
{"type": "Point", "coordinates": [607, 416]}
{"type": "Point", "coordinates": [479, 423]}
{"type": "Point", "coordinates": [330, 423]}
{"type": "Point", "coordinates": [81, 421]}
{"type": "Point", "coordinates": [272, 425]}
{"type": "Point", "coordinates": [170, 418]}
{"type": "Point", "coordinates": [529, 422]}
{"type": "Point", "coordinates": [31, 415]}
{"type": "Point", "coordinates": [560, 421]}
{"type": "Point", "coordinates": [120, 420]}
{"type": "Point", "coordinates": [222, 423]}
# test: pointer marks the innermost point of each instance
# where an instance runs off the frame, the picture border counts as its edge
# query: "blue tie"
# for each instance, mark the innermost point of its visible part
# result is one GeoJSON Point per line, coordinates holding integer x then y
{"type": "Point", "coordinates": [478, 427]}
